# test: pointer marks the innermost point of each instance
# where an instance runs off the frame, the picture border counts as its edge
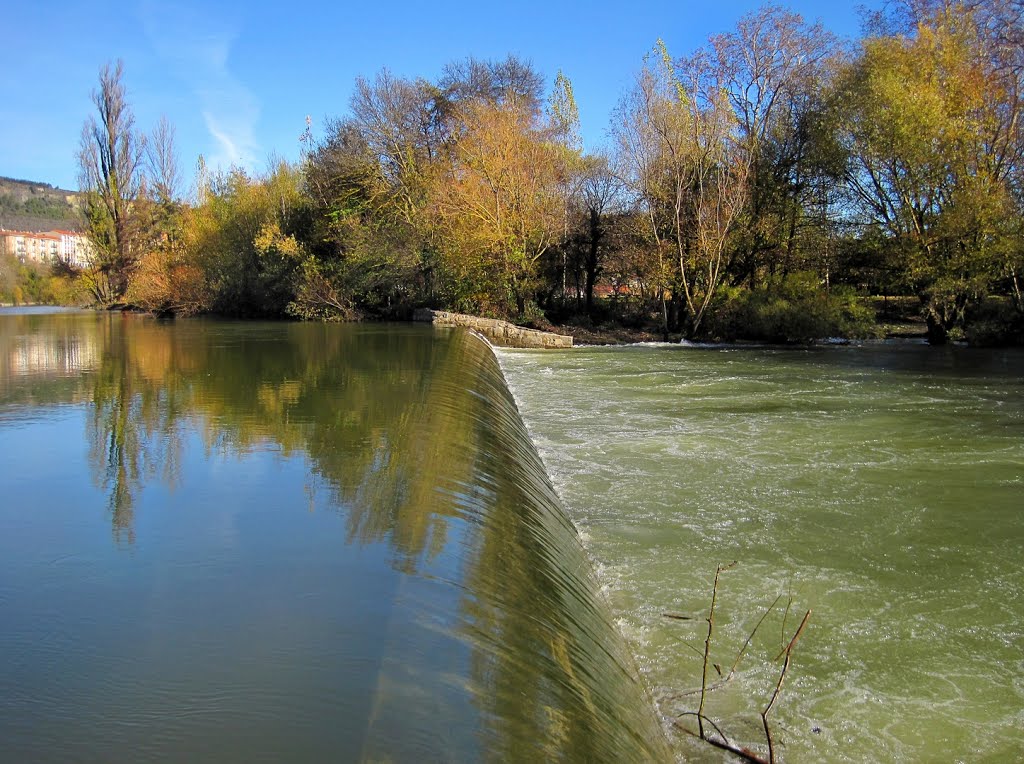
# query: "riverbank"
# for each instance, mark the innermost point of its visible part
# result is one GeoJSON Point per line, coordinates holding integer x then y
{"type": "Point", "coordinates": [622, 335]}
{"type": "Point", "coordinates": [895, 320]}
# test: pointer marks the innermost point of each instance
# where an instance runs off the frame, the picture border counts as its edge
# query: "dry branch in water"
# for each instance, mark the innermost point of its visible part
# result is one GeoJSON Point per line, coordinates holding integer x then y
{"type": "Point", "coordinates": [788, 651]}
{"type": "Point", "coordinates": [705, 734]}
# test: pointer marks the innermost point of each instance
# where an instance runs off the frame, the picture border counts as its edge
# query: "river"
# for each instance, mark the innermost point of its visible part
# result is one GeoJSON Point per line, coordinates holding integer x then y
{"type": "Point", "coordinates": [262, 541]}
{"type": "Point", "coordinates": [880, 486]}
{"type": "Point", "coordinates": [226, 541]}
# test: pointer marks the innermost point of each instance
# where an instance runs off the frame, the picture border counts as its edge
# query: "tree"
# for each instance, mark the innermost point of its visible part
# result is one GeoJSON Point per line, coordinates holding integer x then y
{"type": "Point", "coordinates": [111, 166]}
{"type": "Point", "coordinates": [600, 190]}
{"type": "Point", "coordinates": [247, 241]}
{"type": "Point", "coordinates": [564, 115]}
{"type": "Point", "coordinates": [1001, 27]}
{"type": "Point", "coordinates": [368, 180]}
{"type": "Point", "coordinates": [677, 144]}
{"type": "Point", "coordinates": [163, 281]}
{"type": "Point", "coordinates": [500, 204]}
{"type": "Point", "coordinates": [511, 80]}
{"type": "Point", "coordinates": [162, 164]}
{"type": "Point", "coordinates": [398, 126]}
{"type": "Point", "coordinates": [932, 141]}
{"type": "Point", "coordinates": [773, 66]}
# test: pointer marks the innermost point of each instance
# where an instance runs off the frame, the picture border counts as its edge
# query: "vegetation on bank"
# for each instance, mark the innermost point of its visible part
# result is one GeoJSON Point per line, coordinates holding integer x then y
{"type": "Point", "coordinates": [39, 283]}
{"type": "Point", "coordinates": [760, 187]}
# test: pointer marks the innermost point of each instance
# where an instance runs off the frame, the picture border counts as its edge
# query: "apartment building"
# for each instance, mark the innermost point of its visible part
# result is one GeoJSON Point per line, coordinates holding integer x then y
{"type": "Point", "coordinates": [70, 247]}
{"type": "Point", "coordinates": [75, 248]}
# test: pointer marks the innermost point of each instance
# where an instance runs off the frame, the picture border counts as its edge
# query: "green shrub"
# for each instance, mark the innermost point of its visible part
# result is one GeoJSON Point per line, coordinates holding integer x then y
{"type": "Point", "coordinates": [796, 310]}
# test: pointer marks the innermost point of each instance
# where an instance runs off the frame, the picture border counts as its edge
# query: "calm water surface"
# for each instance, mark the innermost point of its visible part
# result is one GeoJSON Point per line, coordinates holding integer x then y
{"type": "Point", "coordinates": [880, 486]}
{"type": "Point", "coordinates": [279, 542]}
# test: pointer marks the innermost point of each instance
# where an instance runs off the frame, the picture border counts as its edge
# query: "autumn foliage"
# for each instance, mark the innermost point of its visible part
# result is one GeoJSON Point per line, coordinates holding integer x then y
{"type": "Point", "coordinates": [776, 169]}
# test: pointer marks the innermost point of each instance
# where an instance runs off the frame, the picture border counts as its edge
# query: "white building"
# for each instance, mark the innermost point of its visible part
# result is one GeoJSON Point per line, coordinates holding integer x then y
{"type": "Point", "coordinates": [75, 248]}
{"type": "Point", "coordinates": [70, 247]}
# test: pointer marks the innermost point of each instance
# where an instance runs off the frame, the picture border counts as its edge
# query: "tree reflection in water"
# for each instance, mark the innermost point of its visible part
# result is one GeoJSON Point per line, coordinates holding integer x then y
{"type": "Point", "coordinates": [357, 403]}
{"type": "Point", "coordinates": [411, 437]}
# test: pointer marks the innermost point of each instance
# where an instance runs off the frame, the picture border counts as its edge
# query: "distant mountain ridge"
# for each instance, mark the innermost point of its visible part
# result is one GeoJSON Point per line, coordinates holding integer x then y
{"type": "Point", "coordinates": [27, 205]}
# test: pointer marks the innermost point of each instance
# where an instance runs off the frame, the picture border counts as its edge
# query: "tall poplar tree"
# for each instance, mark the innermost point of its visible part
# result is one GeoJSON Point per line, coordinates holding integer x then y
{"type": "Point", "coordinates": [110, 158]}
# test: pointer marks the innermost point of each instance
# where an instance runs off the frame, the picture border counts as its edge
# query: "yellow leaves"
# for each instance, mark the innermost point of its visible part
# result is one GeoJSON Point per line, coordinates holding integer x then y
{"type": "Point", "coordinates": [668, 72]}
{"type": "Point", "coordinates": [270, 241]}
{"type": "Point", "coordinates": [927, 119]}
{"type": "Point", "coordinates": [275, 398]}
{"type": "Point", "coordinates": [500, 203]}
{"type": "Point", "coordinates": [165, 281]}
{"type": "Point", "coordinates": [564, 114]}
{"type": "Point", "coordinates": [926, 92]}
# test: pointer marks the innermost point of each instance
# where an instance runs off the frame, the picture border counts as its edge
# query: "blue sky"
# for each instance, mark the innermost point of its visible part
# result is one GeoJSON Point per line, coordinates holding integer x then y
{"type": "Point", "coordinates": [237, 79]}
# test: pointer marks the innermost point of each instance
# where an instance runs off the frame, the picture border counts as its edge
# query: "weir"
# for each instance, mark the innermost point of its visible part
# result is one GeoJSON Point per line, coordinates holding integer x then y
{"type": "Point", "coordinates": [291, 542]}
{"type": "Point", "coordinates": [497, 332]}
{"type": "Point", "coordinates": [878, 484]}
{"type": "Point", "coordinates": [602, 712]}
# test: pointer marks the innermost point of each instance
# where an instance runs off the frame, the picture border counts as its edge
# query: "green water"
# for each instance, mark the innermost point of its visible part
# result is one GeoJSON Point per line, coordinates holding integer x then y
{"type": "Point", "coordinates": [881, 487]}
{"type": "Point", "coordinates": [276, 542]}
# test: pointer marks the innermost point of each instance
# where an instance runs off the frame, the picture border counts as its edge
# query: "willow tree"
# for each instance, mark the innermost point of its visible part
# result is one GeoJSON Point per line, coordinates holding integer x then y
{"type": "Point", "coordinates": [932, 148]}
{"type": "Point", "coordinates": [110, 158]}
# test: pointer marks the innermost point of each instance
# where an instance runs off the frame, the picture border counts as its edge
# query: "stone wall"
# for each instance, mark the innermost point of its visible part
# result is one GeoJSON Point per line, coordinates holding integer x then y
{"type": "Point", "coordinates": [500, 333]}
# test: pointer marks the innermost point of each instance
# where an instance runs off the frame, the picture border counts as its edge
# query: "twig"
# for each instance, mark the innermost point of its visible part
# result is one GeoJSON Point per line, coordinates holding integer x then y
{"type": "Point", "coordinates": [788, 651]}
{"type": "Point", "coordinates": [692, 647]}
{"type": "Point", "coordinates": [743, 753]}
{"type": "Point", "coordinates": [785, 618]}
{"type": "Point", "coordinates": [707, 648]}
{"type": "Point", "coordinates": [688, 693]}
{"type": "Point", "coordinates": [725, 745]}
{"type": "Point", "coordinates": [677, 617]}
{"type": "Point", "coordinates": [706, 718]}
{"type": "Point", "coordinates": [746, 644]}
{"type": "Point", "coordinates": [722, 742]}
{"type": "Point", "coordinates": [739, 656]}
{"type": "Point", "coordinates": [789, 648]}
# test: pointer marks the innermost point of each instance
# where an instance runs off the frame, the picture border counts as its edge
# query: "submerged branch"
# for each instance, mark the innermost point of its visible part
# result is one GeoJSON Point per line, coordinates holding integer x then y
{"type": "Point", "coordinates": [788, 651]}
{"type": "Point", "coordinates": [707, 646]}
{"type": "Point", "coordinates": [718, 737]}
{"type": "Point", "coordinates": [744, 753]}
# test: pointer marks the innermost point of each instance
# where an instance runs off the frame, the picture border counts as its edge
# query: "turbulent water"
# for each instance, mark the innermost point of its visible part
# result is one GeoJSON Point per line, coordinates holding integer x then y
{"type": "Point", "coordinates": [880, 487]}
{"type": "Point", "coordinates": [277, 542]}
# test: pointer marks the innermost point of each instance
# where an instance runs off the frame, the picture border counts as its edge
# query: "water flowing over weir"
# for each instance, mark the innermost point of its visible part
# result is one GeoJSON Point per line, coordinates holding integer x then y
{"type": "Point", "coordinates": [245, 541]}
{"type": "Point", "coordinates": [879, 484]}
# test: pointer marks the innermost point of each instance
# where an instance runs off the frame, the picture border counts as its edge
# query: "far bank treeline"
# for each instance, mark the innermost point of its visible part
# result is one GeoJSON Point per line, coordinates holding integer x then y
{"type": "Point", "coordinates": [754, 188]}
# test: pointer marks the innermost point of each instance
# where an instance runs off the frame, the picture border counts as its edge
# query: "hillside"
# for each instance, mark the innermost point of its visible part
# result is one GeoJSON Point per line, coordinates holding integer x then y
{"type": "Point", "coordinates": [31, 206]}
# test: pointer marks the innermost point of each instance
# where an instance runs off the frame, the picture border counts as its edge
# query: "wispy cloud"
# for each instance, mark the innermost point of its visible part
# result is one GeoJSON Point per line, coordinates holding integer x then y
{"type": "Point", "coordinates": [198, 45]}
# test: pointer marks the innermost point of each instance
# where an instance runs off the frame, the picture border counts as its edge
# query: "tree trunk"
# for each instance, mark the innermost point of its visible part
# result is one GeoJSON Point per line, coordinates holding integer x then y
{"type": "Point", "coordinates": [937, 333]}
{"type": "Point", "coordinates": [596, 234]}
